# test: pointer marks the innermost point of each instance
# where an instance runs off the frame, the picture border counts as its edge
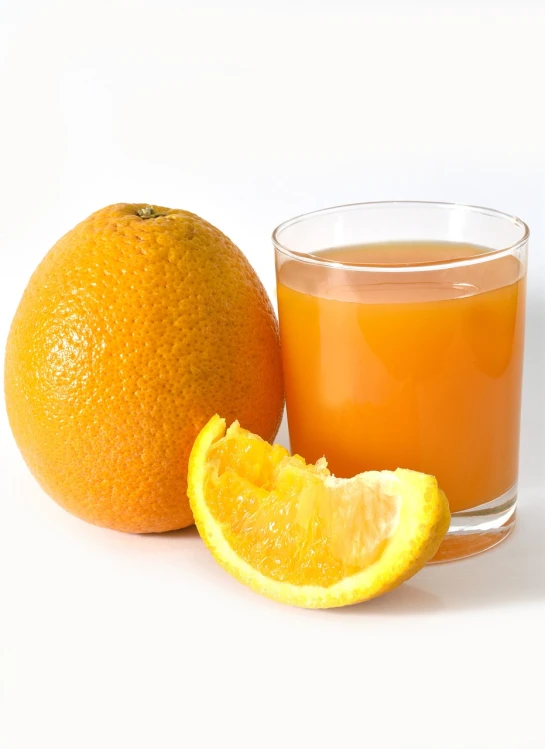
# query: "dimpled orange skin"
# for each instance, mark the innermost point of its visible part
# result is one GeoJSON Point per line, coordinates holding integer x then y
{"type": "Point", "coordinates": [131, 334]}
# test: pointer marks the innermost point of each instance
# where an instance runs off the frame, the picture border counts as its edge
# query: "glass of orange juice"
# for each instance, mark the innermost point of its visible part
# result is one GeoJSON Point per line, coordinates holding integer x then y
{"type": "Point", "coordinates": [402, 330]}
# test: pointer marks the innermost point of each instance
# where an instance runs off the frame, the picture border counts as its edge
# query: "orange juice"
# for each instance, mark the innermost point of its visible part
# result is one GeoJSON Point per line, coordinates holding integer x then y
{"type": "Point", "coordinates": [417, 370]}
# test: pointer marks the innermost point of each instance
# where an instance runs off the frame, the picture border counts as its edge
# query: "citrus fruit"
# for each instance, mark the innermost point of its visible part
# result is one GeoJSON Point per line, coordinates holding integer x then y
{"type": "Point", "coordinates": [296, 533]}
{"type": "Point", "coordinates": [138, 325]}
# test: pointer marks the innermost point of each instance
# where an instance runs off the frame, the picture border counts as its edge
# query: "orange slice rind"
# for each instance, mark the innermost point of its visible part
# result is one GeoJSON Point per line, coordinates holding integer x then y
{"type": "Point", "coordinates": [297, 534]}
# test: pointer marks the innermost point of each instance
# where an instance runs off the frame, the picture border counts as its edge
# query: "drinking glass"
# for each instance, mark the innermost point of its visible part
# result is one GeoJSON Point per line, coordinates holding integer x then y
{"type": "Point", "coordinates": [409, 353]}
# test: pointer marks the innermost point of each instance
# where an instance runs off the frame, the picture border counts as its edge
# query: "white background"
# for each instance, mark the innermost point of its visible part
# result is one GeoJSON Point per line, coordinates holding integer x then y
{"type": "Point", "coordinates": [249, 113]}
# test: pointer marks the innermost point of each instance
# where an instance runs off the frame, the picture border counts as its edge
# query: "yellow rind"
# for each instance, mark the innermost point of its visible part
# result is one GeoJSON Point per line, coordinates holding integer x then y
{"type": "Point", "coordinates": [424, 520]}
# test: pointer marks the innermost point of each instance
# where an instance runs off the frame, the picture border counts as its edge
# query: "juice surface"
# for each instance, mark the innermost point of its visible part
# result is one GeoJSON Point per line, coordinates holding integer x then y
{"type": "Point", "coordinates": [417, 370]}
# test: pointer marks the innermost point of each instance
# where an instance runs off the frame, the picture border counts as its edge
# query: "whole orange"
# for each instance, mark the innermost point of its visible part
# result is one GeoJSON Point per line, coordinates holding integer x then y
{"type": "Point", "coordinates": [138, 325]}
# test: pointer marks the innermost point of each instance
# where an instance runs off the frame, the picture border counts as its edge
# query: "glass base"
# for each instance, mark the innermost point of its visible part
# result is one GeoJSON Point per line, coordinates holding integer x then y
{"type": "Point", "coordinates": [479, 528]}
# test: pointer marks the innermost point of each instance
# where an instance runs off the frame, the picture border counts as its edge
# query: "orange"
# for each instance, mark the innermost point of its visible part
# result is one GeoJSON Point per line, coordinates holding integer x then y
{"type": "Point", "coordinates": [295, 533]}
{"type": "Point", "coordinates": [138, 325]}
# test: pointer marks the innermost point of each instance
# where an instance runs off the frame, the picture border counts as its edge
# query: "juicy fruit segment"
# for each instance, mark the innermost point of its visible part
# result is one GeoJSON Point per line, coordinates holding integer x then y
{"type": "Point", "coordinates": [298, 534]}
{"type": "Point", "coordinates": [294, 522]}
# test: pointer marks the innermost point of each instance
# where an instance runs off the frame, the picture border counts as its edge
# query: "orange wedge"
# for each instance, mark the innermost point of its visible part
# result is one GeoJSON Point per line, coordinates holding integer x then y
{"type": "Point", "coordinates": [297, 534]}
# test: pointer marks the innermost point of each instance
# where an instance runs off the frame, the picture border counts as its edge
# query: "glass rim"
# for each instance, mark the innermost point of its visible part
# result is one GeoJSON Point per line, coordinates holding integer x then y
{"type": "Point", "coordinates": [307, 257]}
